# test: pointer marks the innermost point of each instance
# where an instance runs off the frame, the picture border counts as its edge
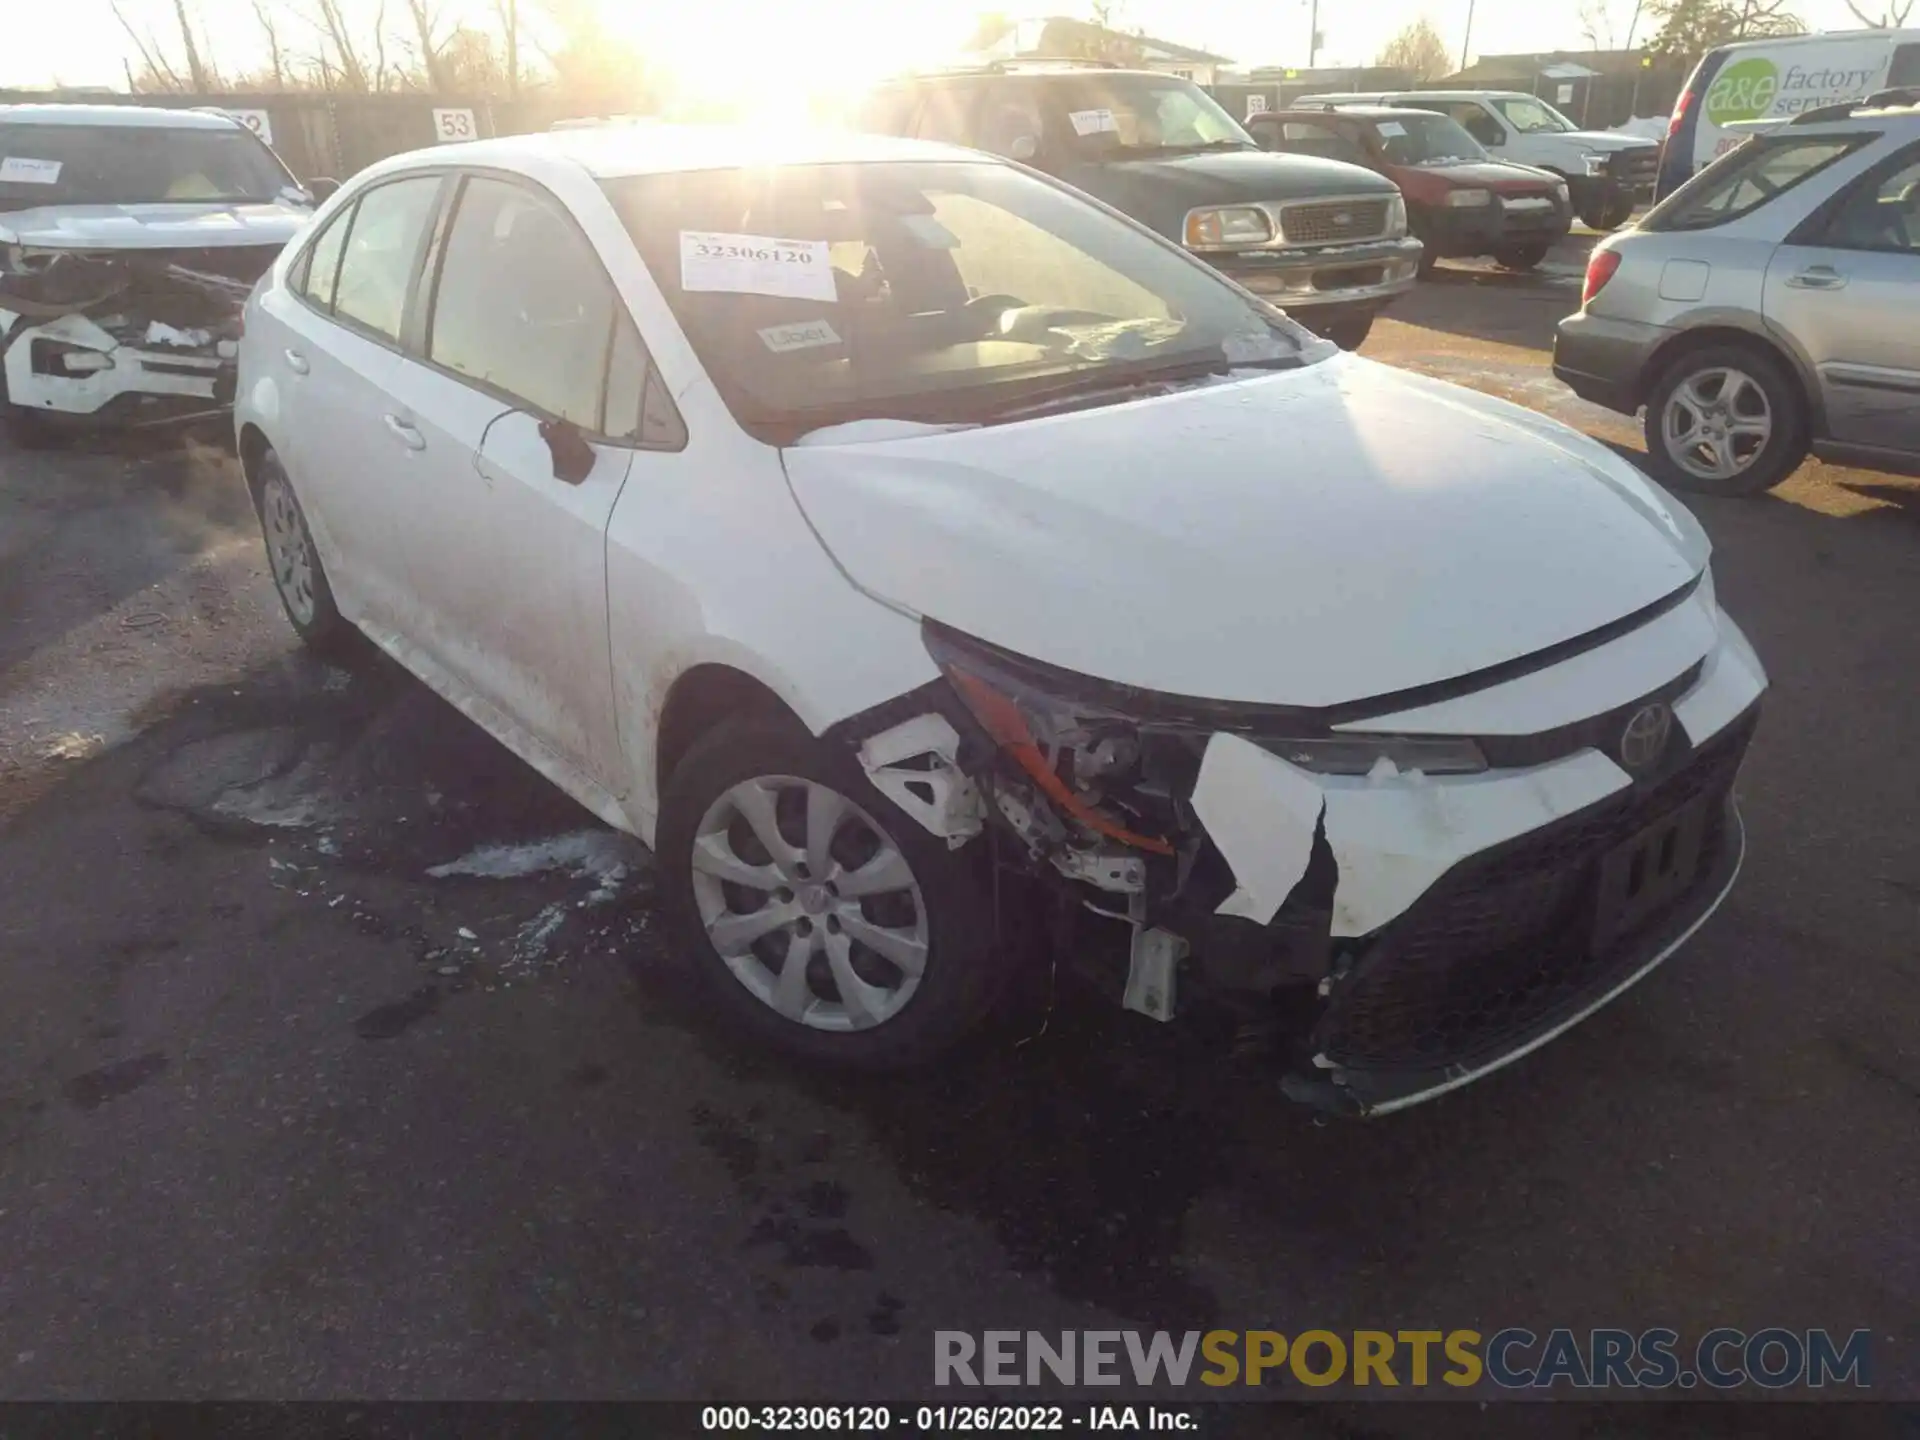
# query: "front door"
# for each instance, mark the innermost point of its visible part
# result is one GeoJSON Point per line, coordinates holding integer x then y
{"type": "Point", "coordinates": [1848, 297]}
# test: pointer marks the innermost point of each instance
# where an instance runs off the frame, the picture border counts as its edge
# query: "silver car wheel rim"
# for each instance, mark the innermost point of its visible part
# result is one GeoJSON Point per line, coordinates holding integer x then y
{"type": "Point", "coordinates": [1716, 423]}
{"type": "Point", "coordinates": [289, 551]}
{"type": "Point", "coordinates": [810, 903]}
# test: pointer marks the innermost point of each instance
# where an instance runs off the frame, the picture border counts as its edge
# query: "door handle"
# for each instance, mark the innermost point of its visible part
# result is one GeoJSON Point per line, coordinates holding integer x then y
{"type": "Point", "coordinates": [1818, 277]}
{"type": "Point", "coordinates": [297, 362]}
{"type": "Point", "coordinates": [405, 433]}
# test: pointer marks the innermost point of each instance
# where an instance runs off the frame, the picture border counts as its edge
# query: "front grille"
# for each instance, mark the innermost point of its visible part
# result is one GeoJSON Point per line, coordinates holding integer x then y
{"type": "Point", "coordinates": [1636, 166]}
{"type": "Point", "coordinates": [1499, 946]}
{"type": "Point", "coordinates": [1353, 277]}
{"type": "Point", "coordinates": [1333, 222]}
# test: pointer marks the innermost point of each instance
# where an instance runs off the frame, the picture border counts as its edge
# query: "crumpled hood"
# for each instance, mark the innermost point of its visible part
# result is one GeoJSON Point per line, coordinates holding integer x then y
{"type": "Point", "coordinates": [167, 226]}
{"type": "Point", "coordinates": [1310, 537]}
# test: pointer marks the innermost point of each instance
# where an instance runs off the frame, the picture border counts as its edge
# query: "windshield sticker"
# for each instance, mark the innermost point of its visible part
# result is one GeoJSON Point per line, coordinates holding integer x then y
{"type": "Point", "coordinates": [1093, 122]}
{"type": "Point", "coordinates": [1391, 127]}
{"type": "Point", "coordinates": [930, 232]}
{"type": "Point", "coordinates": [756, 265]}
{"type": "Point", "coordinates": [19, 170]}
{"type": "Point", "coordinates": [805, 335]}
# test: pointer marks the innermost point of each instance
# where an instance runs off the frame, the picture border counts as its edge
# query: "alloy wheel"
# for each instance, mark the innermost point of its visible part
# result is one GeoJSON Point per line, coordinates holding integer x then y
{"type": "Point", "coordinates": [810, 903]}
{"type": "Point", "coordinates": [289, 548]}
{"type": "Point", "coordinates": [1716, 423]}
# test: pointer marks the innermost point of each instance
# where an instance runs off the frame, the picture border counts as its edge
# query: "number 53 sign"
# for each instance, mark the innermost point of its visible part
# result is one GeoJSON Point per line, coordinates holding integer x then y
{"type": "Point", "coordinates": [451, 126]}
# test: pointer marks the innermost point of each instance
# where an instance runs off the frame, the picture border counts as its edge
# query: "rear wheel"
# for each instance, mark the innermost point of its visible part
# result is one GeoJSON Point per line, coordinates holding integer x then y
{"type": "Point", "coordinates": [819, 917]}
{"type": "Point", "coordinates": [1520, 257]}
{"type": "Point", "coordinates": [1608, 214]}
{"type": "Point", "coordinates": [1725, 420]}
{"type": "Point", "coordinates": [298, 576]}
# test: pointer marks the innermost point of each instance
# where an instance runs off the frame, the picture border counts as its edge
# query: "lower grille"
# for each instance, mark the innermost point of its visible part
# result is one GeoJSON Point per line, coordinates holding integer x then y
{"type": "Point", "coordinates": [1333, 222]}
{"type": "Point", "coordinates": [1500, 945]}
{"type": "Point", "coordinates": [1637, 166]}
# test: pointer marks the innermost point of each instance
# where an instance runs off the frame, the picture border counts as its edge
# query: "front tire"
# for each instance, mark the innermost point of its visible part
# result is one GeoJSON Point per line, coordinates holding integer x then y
{"type": "Point", "coordinates": [1608, 214]}
{"type": "Point", "coordinates": [1348, 334]}
{"type": "Point", "coordinates": [1520, 257]}
{"type": "Point", "coordinates": [1725, 420]}
{"type": "Point", "coordinates": [820, 918]}
{"type": "Point", "coordinates": [294, 562]}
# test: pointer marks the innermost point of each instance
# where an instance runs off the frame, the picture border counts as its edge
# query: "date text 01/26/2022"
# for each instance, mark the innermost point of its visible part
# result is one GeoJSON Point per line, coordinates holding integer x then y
{"type": "Point", "coordinates": [939, 1419]}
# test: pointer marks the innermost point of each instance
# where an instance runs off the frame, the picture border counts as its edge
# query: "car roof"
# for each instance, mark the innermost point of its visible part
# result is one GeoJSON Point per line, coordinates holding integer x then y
{"type": "Point", "coordinates": [123, 117]}
{"type": "Point", "coordinates": [1823, 37]}
{"type": "Point", "coordinates": [1364, 112]}
{"type": "Point", "coordinates": [617, 151]}
{"type": "Point", "coordinates": [1901, 120]}
{"type": "Point", "coordinates": [1039, 68]}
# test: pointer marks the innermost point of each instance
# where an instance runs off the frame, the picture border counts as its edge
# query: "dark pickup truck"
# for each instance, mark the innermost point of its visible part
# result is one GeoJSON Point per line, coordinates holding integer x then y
{"type": "Point", "coordinates": [1325, 240]}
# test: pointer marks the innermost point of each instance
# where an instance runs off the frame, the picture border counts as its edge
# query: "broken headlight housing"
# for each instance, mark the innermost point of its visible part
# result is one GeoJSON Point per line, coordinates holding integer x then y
{"type": "Point", "coordinates": [1122, 760]}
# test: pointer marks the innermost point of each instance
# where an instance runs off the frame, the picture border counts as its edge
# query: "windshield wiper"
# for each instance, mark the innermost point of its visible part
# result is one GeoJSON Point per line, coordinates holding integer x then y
{"type": "Point", "coordinates": [1114, 383]}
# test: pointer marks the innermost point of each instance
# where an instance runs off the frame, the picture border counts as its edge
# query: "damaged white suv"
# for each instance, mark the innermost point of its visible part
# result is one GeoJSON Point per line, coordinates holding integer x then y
{"type": "Point", "coordinates": [873, 527]}
{"type": "Point", "coordinates": [129, 237]}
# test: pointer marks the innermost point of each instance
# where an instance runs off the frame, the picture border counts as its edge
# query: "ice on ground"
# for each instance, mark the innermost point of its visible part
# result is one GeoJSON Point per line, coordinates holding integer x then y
{"type": "Point", "coordinates": [602, 855]}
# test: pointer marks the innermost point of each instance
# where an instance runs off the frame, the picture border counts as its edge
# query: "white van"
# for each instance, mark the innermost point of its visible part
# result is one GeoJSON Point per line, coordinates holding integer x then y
{"type": "Point", "coordinates": [1775, 80]}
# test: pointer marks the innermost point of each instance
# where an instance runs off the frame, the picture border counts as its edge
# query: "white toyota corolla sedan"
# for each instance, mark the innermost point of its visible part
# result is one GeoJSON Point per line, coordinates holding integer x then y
{"type": "Point", "coordinates": [873, 528]}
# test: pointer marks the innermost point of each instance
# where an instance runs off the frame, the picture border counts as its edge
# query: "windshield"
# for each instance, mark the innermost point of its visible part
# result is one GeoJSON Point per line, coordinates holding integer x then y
{"type": "Point", "coordinates": [1530, 117]}
{"type": "Point", "coordinates": [941, 292]}
{"type": "Point", "coordinates": [1131, 112]}
{"type": "Point", "coordinates": [1426, 140]}
{"type": "Point", "coordinates": [128, 165]}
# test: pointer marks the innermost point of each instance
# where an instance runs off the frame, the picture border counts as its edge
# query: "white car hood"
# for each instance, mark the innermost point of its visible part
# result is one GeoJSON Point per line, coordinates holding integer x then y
{"type": "Point", "coordinates": [1310, 537]}
{"type": "Point", "coordinates": [1607, 140]}
{"type": "Point", "coordinates": [168, 226]}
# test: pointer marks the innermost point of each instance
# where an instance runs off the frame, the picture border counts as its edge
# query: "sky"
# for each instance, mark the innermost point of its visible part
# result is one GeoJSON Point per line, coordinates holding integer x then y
{"type": "Point", "coordinates": [730, 48]}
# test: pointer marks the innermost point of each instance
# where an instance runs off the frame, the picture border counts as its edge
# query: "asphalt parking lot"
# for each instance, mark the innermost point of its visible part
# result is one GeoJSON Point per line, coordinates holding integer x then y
{"type": "Point", "coordinates": [286, 1113]}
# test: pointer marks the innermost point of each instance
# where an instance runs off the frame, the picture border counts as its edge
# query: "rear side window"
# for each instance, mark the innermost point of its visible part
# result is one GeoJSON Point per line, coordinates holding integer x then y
{"type": "Point", "coordinates": [1742, 181]}
{"type": "Point", "coordinates": [322, 262]}
{"type": "Point", "coordinates": [382, 247]}
{"type": "Point", "coordinates": [523, 304]}
{"type": "Point", "coordinates": [1904, 73]}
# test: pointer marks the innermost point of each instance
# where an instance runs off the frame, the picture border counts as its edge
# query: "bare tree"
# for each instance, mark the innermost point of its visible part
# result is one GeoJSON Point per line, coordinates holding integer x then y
{"type": "Point", "coordinates": [1596, 24]}
{"type": "Point", "coordinates": [156, 73]}
{"type": "Point", "coordinates": [344, 69]}
{"type": "Point", "coordinates": [507, 12]}
{"type": "Point", "coordinates": [1892, 18]}
{"type": "Point", "coordinates": [425, 16]}
{"type": "Point", "coordinates": [276, 53]}
{"type": "Point", "coordinates": [1419, 50]}
{"type": "Point", "coordinates": [204, 81]}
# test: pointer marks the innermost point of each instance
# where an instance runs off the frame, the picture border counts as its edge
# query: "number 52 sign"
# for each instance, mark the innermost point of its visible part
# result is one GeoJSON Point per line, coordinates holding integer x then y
{"type": "Point", "coordinates": [452, 126]}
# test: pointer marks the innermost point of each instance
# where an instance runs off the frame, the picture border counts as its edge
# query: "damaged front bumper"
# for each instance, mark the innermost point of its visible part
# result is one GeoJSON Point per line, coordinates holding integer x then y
{"type": "Point", "coordinates": [99, 339]}
{"type": "Point", "coordinates": [1415, 930]}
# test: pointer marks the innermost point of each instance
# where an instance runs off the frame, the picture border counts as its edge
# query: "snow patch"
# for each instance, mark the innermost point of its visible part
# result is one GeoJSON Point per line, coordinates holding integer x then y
{"type": "Point", "coordinates": [602, 855]}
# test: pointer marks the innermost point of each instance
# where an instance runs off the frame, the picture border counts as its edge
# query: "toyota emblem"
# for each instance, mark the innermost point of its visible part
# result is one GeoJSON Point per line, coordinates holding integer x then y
{"type": "Point", "coordinates": [1644, 740]}
{"type": "Point", "coordinates": [1342, 218]}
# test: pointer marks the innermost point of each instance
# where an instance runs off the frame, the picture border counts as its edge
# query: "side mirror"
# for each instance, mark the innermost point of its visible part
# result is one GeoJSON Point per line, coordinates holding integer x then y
{"type": "Point", "coordinates": [573, 457]}
{"type": "Point", "coordinates": [322, 189]}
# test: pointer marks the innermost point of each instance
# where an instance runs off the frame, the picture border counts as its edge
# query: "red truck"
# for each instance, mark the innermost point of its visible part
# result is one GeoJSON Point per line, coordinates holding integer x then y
{"type": "Point", "coordinates": [1460, 201]}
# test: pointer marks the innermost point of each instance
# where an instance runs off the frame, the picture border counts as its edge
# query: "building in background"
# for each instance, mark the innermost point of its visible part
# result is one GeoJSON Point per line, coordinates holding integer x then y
{"type": "Point", "coordinates": [1057, 37]}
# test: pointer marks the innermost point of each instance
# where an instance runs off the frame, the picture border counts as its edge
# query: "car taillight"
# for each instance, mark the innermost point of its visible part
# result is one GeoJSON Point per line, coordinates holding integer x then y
{"type": "Point", "coordinates": [1600, 267]}
{"type": "Point", "coordinates": [1680, 108]}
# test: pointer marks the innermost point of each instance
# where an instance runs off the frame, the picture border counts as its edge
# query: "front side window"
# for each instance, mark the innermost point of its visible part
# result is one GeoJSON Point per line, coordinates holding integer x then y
{"type": "Point", "coordinates": [936, 291]}
{"type": "Point", "coordinates": [1532, 117]}
{"type": "Point", "coordinates": [1426, 139]}
{"type": "Point", "coordinates": [134, 165]}
{"type": "Point", "coordinates": [522, 304]}
{"type": "Point", "coordinates": [382, 247]}
{"type": "Point", "coordinates": [1131, 113]}
{"type": "Point", "coordinates": [1881, 216]}
{"type": "Point", "coordinates": [1743, 180]}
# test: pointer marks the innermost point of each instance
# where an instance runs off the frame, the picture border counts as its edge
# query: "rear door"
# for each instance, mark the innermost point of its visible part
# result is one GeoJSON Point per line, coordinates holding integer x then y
{"type": "Point", "coordinates": [341, 322]}
{"type": "Point", "coordinates": [526, 388]}
{"type": "Point", "coordinates": [1844, 287]}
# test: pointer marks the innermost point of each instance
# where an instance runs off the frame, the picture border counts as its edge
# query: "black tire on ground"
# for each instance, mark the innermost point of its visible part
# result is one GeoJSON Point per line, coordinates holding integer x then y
{"type": "Point", "coordinates": [1347, 334]}
{"type": "Point", "coordinates": [1521, 257]}
{"type": "Point", "coordinates": [964, 968]}
{"type": "Point", "coordinates": [1608, 214]}
{"type": "Point", "coordinates": [325, 630]}
{"type": "Point", "coordinates": [1776, 459]}
{"type": "Point", "coordinates": [1429, 257]}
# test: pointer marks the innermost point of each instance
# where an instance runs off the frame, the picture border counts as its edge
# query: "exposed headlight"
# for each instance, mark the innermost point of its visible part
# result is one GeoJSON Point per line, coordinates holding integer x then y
{"type": "Point", "coordinates": [1110, 769]}
{"type": "Point", "coordinates": [1596, 164]}
{"type": "Point", "coordinates": [1397, 215]}
{"type": "Point", "coordinates": [1468, 199]}
{"type": "Point", "coordinates": [1227, 226]}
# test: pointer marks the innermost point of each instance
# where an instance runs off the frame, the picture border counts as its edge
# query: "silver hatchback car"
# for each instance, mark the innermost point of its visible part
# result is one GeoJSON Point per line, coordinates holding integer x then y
{"type": "Point", "coordinates": [1768, 308]}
